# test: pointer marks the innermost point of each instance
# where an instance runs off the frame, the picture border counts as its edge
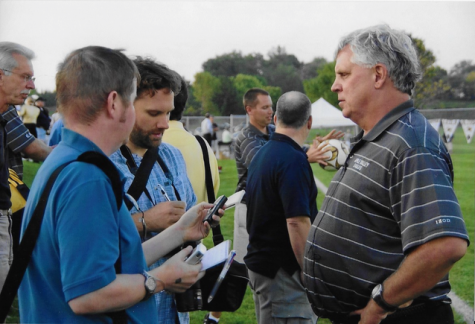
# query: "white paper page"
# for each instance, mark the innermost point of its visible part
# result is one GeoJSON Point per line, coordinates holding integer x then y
{"type": "Point", "coordinates": [234, 199]}
{"type": "Point", "coordinates": [215, 255]}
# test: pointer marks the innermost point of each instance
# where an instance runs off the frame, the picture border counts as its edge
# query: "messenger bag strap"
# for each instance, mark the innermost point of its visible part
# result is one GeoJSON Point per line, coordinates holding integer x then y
{"type": "Point", "coordinates": [217, 236]}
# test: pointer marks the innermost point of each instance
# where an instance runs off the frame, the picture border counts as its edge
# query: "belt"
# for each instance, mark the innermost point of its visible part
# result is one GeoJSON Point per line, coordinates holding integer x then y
{"type": "Point", "coordinates": [416, 308]}
{"type": "Point", "coordinates": [4, 212]}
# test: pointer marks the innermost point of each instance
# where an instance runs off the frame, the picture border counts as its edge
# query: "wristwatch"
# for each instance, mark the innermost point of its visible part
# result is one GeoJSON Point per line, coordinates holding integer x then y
{"type": "Point", "coordinates": [150, 285]}
{"type": "Point", "coordinates": [377, 296]}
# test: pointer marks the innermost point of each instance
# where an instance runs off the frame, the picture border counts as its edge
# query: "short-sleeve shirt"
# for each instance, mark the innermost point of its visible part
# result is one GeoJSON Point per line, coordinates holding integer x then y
{"type": "Point", "coordinates": [394, 193]}
{"type": "Point", "coordinates": [80, 240]}
{"type": "Point", "coordinates": [18, 138]}
{"type": "Point", "coordinates": [280, 186]}
{"type": "Point", "coordinates": [248, 143]}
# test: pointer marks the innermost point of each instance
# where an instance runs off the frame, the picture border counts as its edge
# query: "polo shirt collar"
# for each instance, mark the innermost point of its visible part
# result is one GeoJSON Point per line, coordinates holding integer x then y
{"type": "Point", "coordinates": [388, 120]}
{"type": "Point", "coordinates": [78, 142]}
{"type": "Point", "coordinates": [284, 138]}
{"type": "Point", "coordinates": [270, 130]}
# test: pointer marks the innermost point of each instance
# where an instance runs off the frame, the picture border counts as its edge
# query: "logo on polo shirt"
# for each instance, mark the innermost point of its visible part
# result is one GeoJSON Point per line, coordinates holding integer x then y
{"type": "Point", "coordinates": [442, 220]}
{"type": "Point", "coordinates": [359, 164]}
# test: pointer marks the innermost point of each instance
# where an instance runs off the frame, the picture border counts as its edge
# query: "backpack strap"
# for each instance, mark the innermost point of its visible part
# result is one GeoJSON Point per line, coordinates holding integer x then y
{"type": "Point", "coordinates": [25, 250]}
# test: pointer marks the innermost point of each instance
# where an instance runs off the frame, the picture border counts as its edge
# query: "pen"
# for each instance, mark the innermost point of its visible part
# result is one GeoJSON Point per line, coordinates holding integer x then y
{"type": "Point", "coordinates": [164, 192]}
{"type": "Point", "coordinates": [227, 264]}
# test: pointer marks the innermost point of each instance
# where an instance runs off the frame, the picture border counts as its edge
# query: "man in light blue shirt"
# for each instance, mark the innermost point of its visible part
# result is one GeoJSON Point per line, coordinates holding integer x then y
{"type": "Point", "coordinates": [168, 192]}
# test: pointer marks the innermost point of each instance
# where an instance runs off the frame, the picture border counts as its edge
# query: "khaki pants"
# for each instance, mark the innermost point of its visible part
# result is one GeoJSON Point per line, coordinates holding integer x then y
{"type": "Point", "coordinates": [241, 237]}
{"type": "Point", "coordinates": [6, 245]}
{"type": "Point", "coordinates": [281, 300]}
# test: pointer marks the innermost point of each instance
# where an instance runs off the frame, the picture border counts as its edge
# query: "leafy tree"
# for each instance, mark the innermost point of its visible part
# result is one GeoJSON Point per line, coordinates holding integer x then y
{"type": "Point", "coordinates": [226, 98]}
{"type": "Point", "coordinates": [278, 56]}
{"type": "Point", "coordinates": [243, 82]}
{"type": "Point", "coordinates": [283, 70]}
{"type": "Point", "coordinates": [274, 92]}
{"type": "Point", "coordinates": [320, 86]}
{"type": "Point", "coordinates": [309, 70]}
{"type": "Point", "coordinates": [193, 106]}
{"type": "Point", "coordinates": [434, 82]}
{"type": "Point", "coordinates": [231, 64]}
{"type": "Point", "coordinates": [286, 77]}
{"type": "Point", "coordinates": [461, 80]}
{"type": "Point", "coordinates": [204, 88]}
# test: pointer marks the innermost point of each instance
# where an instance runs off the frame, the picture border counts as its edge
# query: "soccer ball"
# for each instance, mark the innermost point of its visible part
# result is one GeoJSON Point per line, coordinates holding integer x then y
{"type": "Point", "coordinates": [337, 155]}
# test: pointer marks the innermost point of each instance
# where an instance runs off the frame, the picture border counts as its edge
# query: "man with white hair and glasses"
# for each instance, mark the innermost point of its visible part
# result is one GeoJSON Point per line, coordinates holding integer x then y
{"type": "Point", "coordinates": [16, 81]}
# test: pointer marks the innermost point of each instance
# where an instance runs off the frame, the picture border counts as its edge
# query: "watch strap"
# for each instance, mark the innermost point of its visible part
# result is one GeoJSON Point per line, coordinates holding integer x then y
{"type": "Point", "coordinates": [148, 292]}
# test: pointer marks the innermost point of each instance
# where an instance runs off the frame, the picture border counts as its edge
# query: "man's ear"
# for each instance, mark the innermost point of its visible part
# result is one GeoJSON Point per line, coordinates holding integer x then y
{"type": "Point", "coordinates": [380, 75]}
{"type": "Point", "coordinates": [248, 109]}
{"type": "Point", "coordinates": [111, 105]}
{"type": "Point", "coordinates": [309, 122]}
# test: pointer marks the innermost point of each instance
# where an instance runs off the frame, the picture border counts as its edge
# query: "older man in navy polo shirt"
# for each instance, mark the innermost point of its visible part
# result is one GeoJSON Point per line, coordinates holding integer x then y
{"type": "Point", "coordinates": [281, 205]}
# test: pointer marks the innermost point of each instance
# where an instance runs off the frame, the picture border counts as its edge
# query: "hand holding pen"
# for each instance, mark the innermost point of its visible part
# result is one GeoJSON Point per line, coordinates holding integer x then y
{"type": "Point", "coordinates": [221, 276]}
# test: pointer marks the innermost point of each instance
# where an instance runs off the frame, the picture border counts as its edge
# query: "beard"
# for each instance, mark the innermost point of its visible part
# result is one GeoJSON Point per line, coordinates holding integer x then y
{"type": "Point", "coordinates": [143, 139]}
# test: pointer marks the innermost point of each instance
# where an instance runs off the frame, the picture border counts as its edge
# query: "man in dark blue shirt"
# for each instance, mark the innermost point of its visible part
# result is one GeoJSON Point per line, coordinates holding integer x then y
{"type": "Point", "coordinates": [281, 201]}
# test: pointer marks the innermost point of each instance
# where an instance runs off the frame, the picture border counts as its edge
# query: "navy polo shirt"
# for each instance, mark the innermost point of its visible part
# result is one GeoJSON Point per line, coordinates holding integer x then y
{"type": "Point", "coordinates": [280, 185]}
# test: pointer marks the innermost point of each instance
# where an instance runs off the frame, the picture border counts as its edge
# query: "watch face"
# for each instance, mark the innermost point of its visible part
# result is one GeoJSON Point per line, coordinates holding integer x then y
{"type": "Point", "coordinates": [375, 291]}
{"type": "Point", "coordinates": [150, 284]}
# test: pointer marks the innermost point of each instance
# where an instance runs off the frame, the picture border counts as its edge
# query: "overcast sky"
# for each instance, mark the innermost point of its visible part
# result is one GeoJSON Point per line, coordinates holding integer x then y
{"type": "Point", "coordinates": [184, 34]}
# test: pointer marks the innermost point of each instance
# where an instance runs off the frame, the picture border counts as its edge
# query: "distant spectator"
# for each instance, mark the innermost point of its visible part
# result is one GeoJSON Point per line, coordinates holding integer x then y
{"type": "Point", "coordinates": [29, 113]}
{"type": "Point", "coordinates": [207, 129]}
{"type": "Point", "coordinates": [43, 121]}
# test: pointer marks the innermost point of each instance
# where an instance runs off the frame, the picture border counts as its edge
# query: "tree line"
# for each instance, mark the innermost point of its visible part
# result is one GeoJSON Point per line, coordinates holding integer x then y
{"type": "Point", "coordinates": [220, 87]}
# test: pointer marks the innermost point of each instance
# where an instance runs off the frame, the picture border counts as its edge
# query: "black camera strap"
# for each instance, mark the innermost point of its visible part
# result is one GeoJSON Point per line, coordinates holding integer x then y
{"type": "Point", "coordinates": [217, 236]}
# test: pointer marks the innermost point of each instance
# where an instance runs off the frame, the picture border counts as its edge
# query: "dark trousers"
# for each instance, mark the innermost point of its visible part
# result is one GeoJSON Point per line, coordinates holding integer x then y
{"type": "Point", "coordinates": [208, 137]}
{"type": "Point", "coordinates": [422, 313]}
{"type": "Point", "coordinates": [32, 129]}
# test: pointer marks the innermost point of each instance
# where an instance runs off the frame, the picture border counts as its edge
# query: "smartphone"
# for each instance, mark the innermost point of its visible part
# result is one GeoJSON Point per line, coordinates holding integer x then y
{"type": "Point", "coordinates": [197, 254]}
{"type": "Point", "coordinates": [218, 204]}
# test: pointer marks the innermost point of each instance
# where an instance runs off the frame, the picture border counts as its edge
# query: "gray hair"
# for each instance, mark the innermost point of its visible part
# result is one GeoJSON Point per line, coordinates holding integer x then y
{"type": "Point", "coordinates": [393, 48]}
{"type": "Point", "coordinates": [293, 109]}
{"type": "Point", "coordinates": [7, 49]}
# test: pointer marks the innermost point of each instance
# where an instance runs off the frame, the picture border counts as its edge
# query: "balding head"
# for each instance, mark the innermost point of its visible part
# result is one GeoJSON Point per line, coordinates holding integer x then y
{"type": "Point", "coordinates": [293, 110]}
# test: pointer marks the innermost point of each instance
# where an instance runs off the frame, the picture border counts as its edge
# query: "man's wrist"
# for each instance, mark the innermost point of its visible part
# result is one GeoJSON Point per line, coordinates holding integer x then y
{"type": "Point", "coordinates": [377, 296]}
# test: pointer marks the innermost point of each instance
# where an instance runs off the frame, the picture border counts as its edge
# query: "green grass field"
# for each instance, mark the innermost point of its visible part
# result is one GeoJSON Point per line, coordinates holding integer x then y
{"type": "Point", "coordinates": [462, 275]}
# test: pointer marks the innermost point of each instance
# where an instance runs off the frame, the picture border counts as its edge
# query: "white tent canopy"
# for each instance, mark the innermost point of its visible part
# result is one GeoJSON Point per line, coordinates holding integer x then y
{"type": "Point", "coordinates": [326, 116]}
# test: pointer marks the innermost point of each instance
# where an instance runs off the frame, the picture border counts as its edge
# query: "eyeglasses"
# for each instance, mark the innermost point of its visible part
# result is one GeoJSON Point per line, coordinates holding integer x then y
{"type": "Point", "coordinates": [26, 77]}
